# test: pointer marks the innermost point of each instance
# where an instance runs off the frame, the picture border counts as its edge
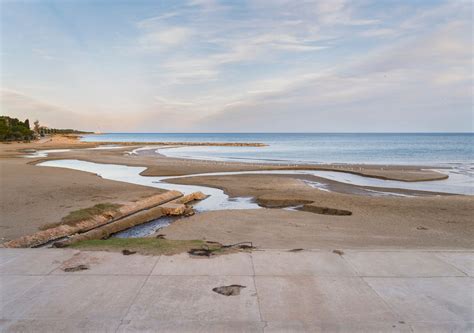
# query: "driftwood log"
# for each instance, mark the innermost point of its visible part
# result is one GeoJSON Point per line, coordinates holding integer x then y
{"type": "Point", "coordinates": [45, 236]}
{"type": "Point", "coordinates": [174, 207]}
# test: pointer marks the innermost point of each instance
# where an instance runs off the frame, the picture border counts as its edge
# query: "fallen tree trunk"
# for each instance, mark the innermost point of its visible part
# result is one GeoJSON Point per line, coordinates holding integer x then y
{"type": "Point", "coordinates": [170, 208]}
{"type": "Point", "coordinates": [106, 230]}
{"type": "Point", "coordinates": [190, 197]}
{"type": "Point", "coordinates": [64, 230]}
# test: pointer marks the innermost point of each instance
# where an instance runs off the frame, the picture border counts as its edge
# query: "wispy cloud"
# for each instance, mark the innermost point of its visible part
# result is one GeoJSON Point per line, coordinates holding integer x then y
{"type": "Point", "coordinates": [212, 65]}
{"type": "Point", "coordinates": [162, 39]}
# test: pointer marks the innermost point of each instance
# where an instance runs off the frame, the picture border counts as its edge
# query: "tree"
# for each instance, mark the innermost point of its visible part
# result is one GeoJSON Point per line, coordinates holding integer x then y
{"type": "Point", "coordinates": [12, 129]}
{"type": "Point", "coordinates": [37, 127]}
{"type": "Point", "coordinates": [27, 123]}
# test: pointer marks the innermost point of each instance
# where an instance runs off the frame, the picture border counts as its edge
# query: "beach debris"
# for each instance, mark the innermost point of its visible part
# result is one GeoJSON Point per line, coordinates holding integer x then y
{"type": "Point", "coordinates": [77, 268]}
{"type": "Point", "coordinates": [113, 227]}
{"type": "Point", "coordinates": [232, 290]}
{"type": "Point", "coordinates": [217, 248]}
{"type": "Point", "coordinates": [296, 250]}
{"type": "Point", "coordinates": [126, 252]}
{"type": "Point", "coordinates": [59, 244]}
{"type": "Point", "coordinates": [173, 209]}
{"type": "Point", "coordinates": [204, 251]}
{"type": "Point", "coordinates": [160, 236]}
{"type": "Point", "coordinates": [325, 210]}
{"type": "Point", "coordinates": [170, 207]}
{"type": "Point", "coordinates": [189, 212]}
{"type": "Point", "coordinates": [281, 203]}
{"type": "Point", "coordinates": [421, 228]}
{"type": "Point", "coordinates": [191, 197]}
{"type": "Point", "coordinates": [339, 252]}
{"type": "Point", "coordinates": [241, 245]}
{"type": "Point", "coordinates": [93, 223]}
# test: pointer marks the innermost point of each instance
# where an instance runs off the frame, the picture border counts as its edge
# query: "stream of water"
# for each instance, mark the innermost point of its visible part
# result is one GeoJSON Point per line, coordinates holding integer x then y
{"type": "Point", "coordinates": [218, 200]}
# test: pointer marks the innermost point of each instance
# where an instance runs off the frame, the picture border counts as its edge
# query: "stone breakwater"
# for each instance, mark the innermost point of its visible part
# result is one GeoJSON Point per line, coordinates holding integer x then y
{"type": "Point", "coordinates": [171, 143]}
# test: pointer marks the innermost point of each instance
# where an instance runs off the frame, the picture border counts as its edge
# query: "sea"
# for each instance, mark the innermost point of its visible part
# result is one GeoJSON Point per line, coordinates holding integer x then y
{"type": "Point", "coordinates": [430, 149]}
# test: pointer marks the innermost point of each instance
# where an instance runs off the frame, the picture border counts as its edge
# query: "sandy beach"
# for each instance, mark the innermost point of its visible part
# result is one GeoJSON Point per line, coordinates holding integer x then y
{"type": "Point", "coordinates": [236, 166]}
{"type": "Point", "coordinates": [33, 196]}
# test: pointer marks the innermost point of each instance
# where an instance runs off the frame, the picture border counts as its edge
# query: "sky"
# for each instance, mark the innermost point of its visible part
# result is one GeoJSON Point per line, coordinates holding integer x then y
{"type": "Point", "coordinates": [239, 66]}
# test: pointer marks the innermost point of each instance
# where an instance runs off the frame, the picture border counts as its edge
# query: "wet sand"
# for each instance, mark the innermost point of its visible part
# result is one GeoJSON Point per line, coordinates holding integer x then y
{"type": "Point", "coordinates": [159, 165]}
{"type": "Point", "coordinates": [443, 222]}
{"type": "Point", "coordinates": [33, 196]}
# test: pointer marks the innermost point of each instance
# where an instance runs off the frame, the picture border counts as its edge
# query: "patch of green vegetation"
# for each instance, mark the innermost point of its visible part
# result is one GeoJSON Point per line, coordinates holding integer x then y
{"type": "Point", "coordinates": [12, 129]}
{"type": "Point", "coordinates": [147, 246]}
{"type": "Point", "coordinates": [83, 214]}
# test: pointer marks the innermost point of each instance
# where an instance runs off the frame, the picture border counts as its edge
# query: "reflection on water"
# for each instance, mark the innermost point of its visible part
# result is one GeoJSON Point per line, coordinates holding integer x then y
{"type": "Point", "coordinates": [146, 229]}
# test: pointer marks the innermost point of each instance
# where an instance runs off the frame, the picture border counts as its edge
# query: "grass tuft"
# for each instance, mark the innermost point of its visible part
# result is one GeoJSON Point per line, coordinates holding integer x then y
{"type": "Point", "coordinates": [147, 246]}
{"type": "Point", "coordinates": [83, 214]}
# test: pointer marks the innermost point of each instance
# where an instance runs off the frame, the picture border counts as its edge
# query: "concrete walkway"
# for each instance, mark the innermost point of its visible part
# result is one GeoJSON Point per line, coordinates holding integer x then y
{"type": "Point", "coordinates": [308, 291]}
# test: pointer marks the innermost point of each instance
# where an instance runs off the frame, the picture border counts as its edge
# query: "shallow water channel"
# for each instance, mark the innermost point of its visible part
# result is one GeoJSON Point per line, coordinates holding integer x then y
{"type": "Point", "coordinates": [218, 200]}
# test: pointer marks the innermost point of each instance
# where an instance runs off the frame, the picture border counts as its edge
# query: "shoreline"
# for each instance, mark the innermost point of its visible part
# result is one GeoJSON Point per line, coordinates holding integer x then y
{"type": "Point", "coordinates": [398, 172]}
{"type": "Point", "coordinates": [388, 222]}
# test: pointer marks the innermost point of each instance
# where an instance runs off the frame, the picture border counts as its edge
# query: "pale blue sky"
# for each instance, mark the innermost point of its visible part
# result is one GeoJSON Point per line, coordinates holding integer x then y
{"type": "Point", "coordinates": [248, 66]}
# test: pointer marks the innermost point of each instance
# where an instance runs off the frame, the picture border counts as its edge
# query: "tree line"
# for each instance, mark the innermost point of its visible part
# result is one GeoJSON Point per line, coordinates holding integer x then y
{"type": "Point", "coordinates": [13, 129]}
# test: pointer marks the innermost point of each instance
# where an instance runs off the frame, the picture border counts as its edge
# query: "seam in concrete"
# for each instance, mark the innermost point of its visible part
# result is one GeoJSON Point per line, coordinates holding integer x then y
{"type": "Point", "coordinates": [205, 275]}
{"type": "Point", "coordinates": [42, 278]}
{"type": "Point", "coordinates": [373, 250]}
{"type": "Point", "coordinates": [415, 277]}
{"type": "Point", "coordinates": [258, 297]}
{"type": "Point", "coordinates": [394, 312]}
{"type": "Point", "coordinates": [439, 257]}
{"type": "Point", "coordinates": [136, 295]}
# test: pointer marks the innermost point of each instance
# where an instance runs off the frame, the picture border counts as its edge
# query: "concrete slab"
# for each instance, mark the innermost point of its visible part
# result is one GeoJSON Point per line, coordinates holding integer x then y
{"type": "Point", "coordinates": [32, 261]}
{"type": "Point", "coordinates": [185, 298]}
{"type": "Point", "coordinates": [191, 326]}
{"type": "Point", "coordinates": [75, 297]}
{"type": "Point", "coordinates": [432, 300]}
{"type": "Point", "coordinates": [409, 264]}
{"type": "Point", "coordinates": [361, 327]}
{"type": "Point", "coordinates": [452, 327]}
{"type": "Point", "coordinates": [7, 255]}
{"type": "Point", "coordinates": [59, 326]}
{"type": "Point", "coordinates": [464, 261]}
{"type": "Point", "coordinates": [280, 263]}
{"type": "Point", "coordinates": [309, 291]}
{"type": "Point", "coordinates": [111, 263]}
{"type": "Point", "coordinates": [13, 286]}
{"type": "Point", "coordinates": [183, 264]}
{"type": "Point", "coordinates": [309, 299]}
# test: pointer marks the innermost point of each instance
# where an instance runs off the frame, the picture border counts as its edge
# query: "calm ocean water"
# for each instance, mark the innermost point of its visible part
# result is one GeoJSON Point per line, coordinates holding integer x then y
{"type": "Point", "coordinates": [387, 148]}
